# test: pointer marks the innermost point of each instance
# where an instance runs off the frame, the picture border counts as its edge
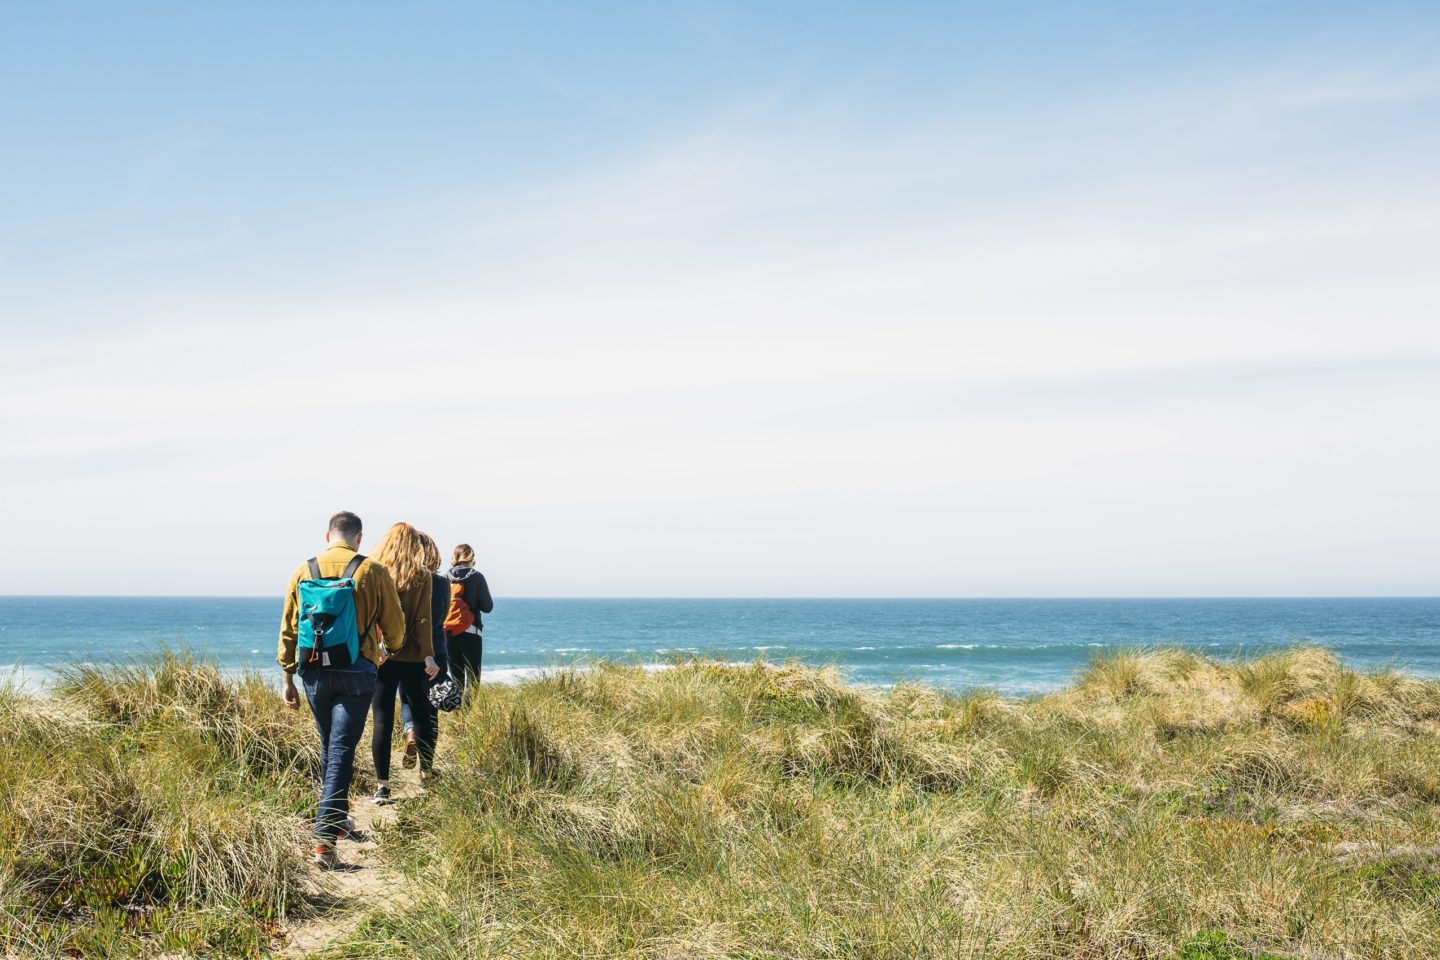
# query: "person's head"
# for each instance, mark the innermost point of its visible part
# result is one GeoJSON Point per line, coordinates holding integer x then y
{"type": "Point", "coordinates": [432, 553]}
{"type": "Point", "coordinates": [463, 556]}
{"type": "Point", "coordinates": [344, 527]}
{"type": "Point", "coordinates": [402, 552]}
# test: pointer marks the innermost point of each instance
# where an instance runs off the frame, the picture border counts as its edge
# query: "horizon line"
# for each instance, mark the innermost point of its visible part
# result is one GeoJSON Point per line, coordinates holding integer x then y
{"type": "Point", "coordinates": [739, 597]}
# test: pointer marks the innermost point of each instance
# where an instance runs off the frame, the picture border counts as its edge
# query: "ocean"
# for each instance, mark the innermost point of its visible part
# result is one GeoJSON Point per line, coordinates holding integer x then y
{"type": "Point", "coordinates": [1016, 646]}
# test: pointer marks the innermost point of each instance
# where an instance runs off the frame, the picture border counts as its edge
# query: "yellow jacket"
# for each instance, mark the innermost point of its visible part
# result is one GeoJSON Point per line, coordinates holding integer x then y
{"type": "Point", "coordinates": [377, 606]}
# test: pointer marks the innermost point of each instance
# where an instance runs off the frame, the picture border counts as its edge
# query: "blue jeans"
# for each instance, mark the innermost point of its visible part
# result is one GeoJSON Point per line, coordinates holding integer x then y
{"type": "Point", "coordinates": [340, 701]}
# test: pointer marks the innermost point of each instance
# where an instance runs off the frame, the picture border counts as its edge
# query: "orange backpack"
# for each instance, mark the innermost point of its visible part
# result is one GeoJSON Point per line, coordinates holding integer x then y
{"type": "Point", "coordinates": [460, 617]}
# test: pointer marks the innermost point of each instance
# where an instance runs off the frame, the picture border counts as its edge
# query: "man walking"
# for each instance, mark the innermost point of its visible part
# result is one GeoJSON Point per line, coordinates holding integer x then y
{"type": "Point", "coordinates": [328, 635]}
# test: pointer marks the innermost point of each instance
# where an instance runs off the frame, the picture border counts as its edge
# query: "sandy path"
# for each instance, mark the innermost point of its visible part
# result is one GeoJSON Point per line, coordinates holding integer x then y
{"type": "Point", "coordinates": [346, 895]}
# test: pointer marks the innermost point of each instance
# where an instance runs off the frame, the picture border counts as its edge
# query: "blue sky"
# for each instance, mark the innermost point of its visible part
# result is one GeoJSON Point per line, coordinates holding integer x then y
{"type": "Point", "coordinates": [935, 299]}
{"type": "Point", "coordinates": [156, 148]}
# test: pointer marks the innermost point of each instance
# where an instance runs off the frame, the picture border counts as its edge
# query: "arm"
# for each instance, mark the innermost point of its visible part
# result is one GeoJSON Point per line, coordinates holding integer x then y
{"type": "Point", "coordinates": [421, 622]}
{"type": "Point", "coordinates": [289, 635]}
{"type": "Point", "coordinates": [480, 600]}
{"type": "Point", "coordinates": [392, 618]}
{"type": "Point", "coordinates": [289, 626]}
{"type": "Point", "coordinates": [439, 607]}
{"type": "Point", "coordinates": [417, 623]}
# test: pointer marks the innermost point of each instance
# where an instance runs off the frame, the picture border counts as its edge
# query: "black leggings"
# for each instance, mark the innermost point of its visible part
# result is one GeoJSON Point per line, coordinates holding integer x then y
{"type": "Point", "coordinates": [393, 676]}
{"type": "Point", "coordinates": [465, 659]}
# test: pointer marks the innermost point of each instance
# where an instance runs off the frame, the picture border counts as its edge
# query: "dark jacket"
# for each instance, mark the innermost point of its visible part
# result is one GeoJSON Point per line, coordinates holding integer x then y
{"type": "Point", "coordinates": [439, 607]}
{"type": "Point", "coordinates": [476, 591]}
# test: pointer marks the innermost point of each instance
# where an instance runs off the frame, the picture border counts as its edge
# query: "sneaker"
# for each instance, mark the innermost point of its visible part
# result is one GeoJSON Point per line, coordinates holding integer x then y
{"type": "Point", "coordinates": [324, 857]}
{"type": "Point", "coordinates": [407, 759]}
{"type": "Point", "coordinates": [382, 796]}
{"type": "Point", "coordinates": [351, 832]}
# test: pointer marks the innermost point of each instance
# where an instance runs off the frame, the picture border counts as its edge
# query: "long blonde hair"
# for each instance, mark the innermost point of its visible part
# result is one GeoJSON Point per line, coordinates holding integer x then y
{"type": "Point", "coordinates": [432, 554]}
{"type": "Point", "coordinates": [463, 556]}
{"type": "Point", "coordinates": [403, 552]}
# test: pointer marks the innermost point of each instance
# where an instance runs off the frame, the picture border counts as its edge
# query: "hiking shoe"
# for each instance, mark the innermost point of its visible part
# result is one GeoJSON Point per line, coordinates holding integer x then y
{"type": "Point", "coordinates": [324, 857]}
{"type": "Point", "coordinates": [407, 759]}
{"type": "Point", "coordinates": [382, 796]}
{"type": "Point", "coordinates": [350, 832]}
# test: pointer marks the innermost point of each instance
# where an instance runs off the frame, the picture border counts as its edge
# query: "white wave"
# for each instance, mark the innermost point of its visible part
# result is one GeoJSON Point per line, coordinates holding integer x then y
{"type": "Point", "coordinates": [509, 676]}
{"type": "Point", "coordinates": [29, 679]}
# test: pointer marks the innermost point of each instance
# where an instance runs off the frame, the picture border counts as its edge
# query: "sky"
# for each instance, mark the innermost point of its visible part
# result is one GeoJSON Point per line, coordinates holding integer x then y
{"type": "Point", "coordinates": [725, 299]}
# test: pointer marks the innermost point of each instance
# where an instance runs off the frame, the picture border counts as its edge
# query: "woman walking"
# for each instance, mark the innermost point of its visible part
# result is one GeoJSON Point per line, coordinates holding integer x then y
{"type": "Point", "coordinates": [439, 604]}
{"type": "Point", "coordinates": [402, 552]}
{"type": "Point", "coordinates": [465, 647]}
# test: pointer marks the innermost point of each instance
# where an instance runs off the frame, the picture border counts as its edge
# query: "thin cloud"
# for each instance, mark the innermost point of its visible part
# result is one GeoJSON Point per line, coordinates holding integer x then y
{"type": "Point", "coordinates": [1139, 342]}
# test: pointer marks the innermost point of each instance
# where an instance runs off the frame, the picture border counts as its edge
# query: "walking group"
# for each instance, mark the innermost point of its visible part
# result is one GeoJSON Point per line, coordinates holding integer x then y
{"type": "Point", "coordinates": [361, 630]}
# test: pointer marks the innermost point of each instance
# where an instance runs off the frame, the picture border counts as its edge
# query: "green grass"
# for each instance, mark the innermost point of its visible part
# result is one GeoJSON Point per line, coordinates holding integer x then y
{"type": "Point", "coordinates": [1165, 806]}
{"type": "Point", "coordinates": [150, 809]}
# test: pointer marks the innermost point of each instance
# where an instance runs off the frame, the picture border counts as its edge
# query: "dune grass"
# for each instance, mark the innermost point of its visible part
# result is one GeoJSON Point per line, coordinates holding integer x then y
{"type": "Point", "coordinates": [1166, 805]}
{"type": "Point", "coordinates": [148, 809]}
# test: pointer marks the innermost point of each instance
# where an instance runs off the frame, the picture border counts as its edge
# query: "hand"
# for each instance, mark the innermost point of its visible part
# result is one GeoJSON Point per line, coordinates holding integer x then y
{"type": "Point", "coordinates": [290, 694]}
{"type": "Point", "coordinates": [432, 669]}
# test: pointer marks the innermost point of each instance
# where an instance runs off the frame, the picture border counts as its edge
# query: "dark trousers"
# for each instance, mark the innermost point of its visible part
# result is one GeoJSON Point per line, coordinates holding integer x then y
{"type": "Point", "coordinates": [394, 676]}
{"type": "Point", "coordinates": [465, 659]}
{"type": "Point", "coordinates": [339, 700]}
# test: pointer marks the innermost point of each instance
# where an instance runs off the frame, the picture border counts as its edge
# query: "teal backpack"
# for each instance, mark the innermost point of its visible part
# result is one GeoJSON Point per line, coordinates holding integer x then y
{"type": "Point", "coordinates": [329, 631]}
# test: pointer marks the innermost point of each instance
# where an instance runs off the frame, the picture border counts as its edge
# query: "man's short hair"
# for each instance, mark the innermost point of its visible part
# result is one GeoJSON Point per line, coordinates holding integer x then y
{"type": "Point", "coordinates": [346, 526]}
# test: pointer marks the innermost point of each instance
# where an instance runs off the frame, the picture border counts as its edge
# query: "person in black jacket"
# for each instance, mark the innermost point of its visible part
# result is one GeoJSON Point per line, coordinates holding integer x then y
{"type": "Point", "coordinates": [439, 606]}
{"type": "Point", "coordinates": [465, 648]}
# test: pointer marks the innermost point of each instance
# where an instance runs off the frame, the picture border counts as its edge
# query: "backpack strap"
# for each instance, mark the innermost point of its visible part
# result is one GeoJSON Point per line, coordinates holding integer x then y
{"type": "Point", "coordinates": [350, 567]}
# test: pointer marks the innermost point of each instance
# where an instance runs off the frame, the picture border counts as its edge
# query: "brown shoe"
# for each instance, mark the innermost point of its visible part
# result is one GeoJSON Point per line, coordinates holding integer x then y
{"type": "Point", "coordinates": [407, 759]}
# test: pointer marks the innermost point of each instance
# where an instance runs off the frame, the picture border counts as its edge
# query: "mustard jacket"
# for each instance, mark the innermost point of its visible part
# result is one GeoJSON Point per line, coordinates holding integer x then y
{"type": "Point", "coordinates": [419, 636]}
{"type": "Point", "coordinates": [377, 606]}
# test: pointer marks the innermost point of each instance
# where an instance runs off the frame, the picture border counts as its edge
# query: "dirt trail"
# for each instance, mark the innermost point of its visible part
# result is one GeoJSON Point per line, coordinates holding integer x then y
{"type": "Point", "coordinates": [344, 896]}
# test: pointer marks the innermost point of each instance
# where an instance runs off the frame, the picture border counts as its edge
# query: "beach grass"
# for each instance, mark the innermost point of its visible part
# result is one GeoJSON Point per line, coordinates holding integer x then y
{"type": "Point", "coordinates": [150, 809]}
{"type": "Point", "coordinates": [1165, 805]}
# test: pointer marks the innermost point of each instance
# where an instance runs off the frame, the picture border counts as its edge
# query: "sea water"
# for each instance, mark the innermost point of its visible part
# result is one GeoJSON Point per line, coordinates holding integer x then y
{"type": "Point", "coordinates": [1016, 646]}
